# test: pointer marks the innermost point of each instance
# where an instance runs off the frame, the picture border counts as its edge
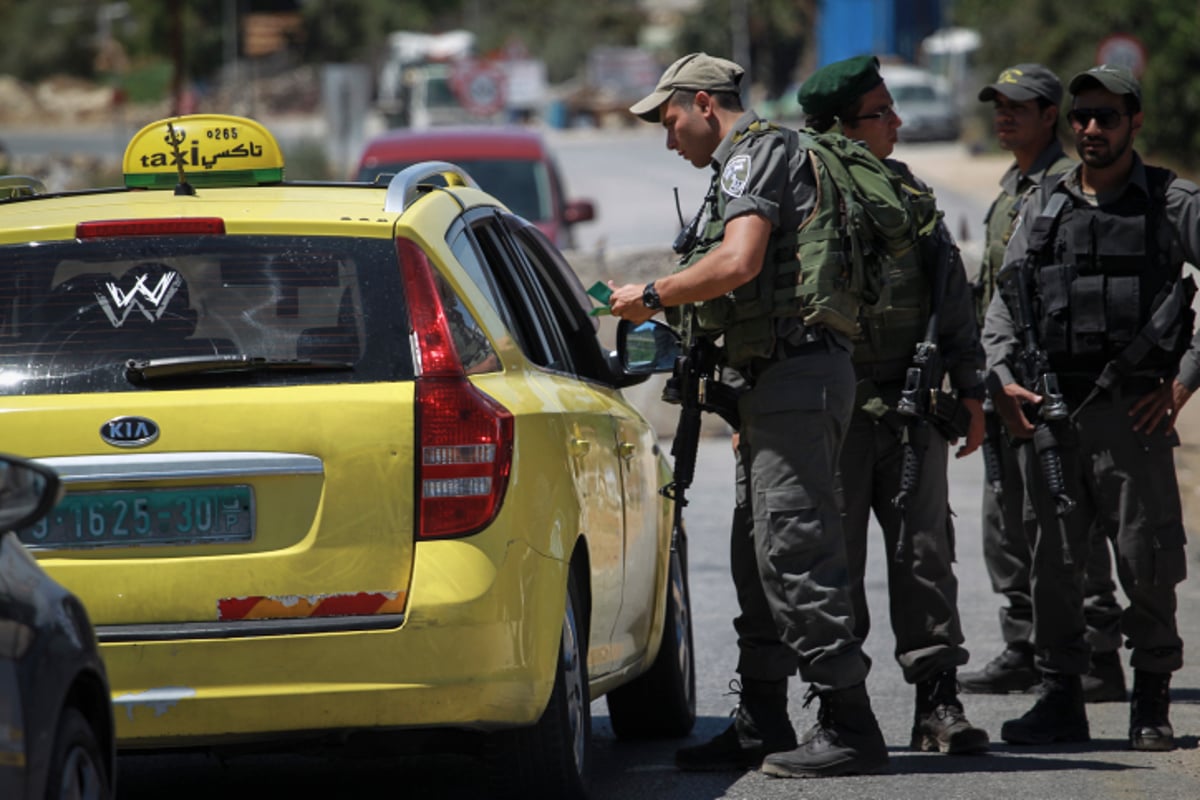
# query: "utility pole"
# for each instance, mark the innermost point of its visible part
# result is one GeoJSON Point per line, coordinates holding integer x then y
{"type": "Point", "coordinates": [739, 32]}
{"type": "Point", "coordinates": [177, 53]}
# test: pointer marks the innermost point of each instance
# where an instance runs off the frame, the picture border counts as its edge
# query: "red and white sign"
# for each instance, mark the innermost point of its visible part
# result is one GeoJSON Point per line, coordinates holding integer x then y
{"type": "Point", "coordinates": [479, 86]}
{"type": "Point", "coordinates": [1123, 50]}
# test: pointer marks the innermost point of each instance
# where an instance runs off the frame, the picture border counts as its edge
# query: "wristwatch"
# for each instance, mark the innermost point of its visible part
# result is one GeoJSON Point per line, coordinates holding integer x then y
{"type": "Point", "coordinates": [650, 298]}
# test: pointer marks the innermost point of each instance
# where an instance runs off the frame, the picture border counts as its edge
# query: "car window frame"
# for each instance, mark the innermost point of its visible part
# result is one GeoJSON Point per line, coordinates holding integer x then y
{"type": "Point", "coordinates": [568, 300]}
{"type": "Point", "coordinates": [523, 305]}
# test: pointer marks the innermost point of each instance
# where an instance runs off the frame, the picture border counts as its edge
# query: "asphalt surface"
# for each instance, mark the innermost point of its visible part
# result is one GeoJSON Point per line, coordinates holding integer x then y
{"type": "Point", "coordinates": [632, 176]}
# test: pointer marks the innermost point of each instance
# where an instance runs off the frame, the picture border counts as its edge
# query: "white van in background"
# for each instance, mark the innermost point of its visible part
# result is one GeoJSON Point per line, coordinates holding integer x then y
{"type": "Point", "coordinates": [924, 103]}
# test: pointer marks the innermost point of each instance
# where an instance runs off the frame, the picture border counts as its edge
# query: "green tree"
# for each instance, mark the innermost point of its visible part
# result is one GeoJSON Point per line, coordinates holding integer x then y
{"type": "Point", "coordinates": [357, 30]}
{"type": "Point", "coordinates": [1066, 37]}
{"type": "Point", "coordinates": [560, 32]}
{"type": "Point", "coordinates": [38, 40]}
{"type": "Point", "coordinates": [780, 31]}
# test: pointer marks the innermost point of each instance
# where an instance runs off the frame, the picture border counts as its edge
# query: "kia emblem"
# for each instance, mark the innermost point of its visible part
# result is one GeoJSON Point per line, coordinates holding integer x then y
{"type": "Point", "coordinates": [129, 431]}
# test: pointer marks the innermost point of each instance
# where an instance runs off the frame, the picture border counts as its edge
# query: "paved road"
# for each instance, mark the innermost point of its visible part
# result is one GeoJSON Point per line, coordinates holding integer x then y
{"type": "Point", "coordinates": [631, 176]}
{"type": "Point", "coordinates": [1101, 769]}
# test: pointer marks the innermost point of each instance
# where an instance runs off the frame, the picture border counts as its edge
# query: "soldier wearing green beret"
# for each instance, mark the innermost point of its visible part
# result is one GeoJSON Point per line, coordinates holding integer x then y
{"type": "Point", "coordinates": [1026, 99]}
{"type": "Point", "coordinates": [787, 556]}
{"type": "Point", "coordinates": [852, 96]}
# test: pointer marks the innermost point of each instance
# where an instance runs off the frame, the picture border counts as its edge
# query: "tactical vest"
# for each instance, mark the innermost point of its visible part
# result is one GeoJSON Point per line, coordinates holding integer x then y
{"type": "Point", "coordinates": [1101, 274]}
{"type": "Point", "coordinates": [892, 327]}
{"type": "Point", "coordinates": [998, 225]}
{"type": "Point", "coordinates": [823, 272]}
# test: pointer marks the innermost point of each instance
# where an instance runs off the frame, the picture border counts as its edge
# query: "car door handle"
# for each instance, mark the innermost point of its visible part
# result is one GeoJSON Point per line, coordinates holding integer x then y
{"type": "Point", "coordinates": [580, 447]}
{"type": "Point", "coordinates": [627, 449]}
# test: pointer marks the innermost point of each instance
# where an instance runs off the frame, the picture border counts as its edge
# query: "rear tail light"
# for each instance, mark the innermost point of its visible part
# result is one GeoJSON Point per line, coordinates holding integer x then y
{"type": "Point", "coordinates": [465, 438]}
{"type": "Point", "coordinates": [466, 451]}
{"type": "Point", "coordinates": [171, 226]}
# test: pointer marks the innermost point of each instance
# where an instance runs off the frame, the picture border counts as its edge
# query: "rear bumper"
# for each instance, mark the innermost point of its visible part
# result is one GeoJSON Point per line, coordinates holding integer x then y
{"type": "Point", "coordinates": [477, 649]}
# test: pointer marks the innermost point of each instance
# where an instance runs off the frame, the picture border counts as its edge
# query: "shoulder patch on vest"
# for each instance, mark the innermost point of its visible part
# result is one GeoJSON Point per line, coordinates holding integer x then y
{"type": "Point", "coordinates": [736, 176]}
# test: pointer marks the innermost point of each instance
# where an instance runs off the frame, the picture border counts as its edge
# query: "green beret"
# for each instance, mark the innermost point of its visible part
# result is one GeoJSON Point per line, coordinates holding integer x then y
{"type": "Point", "coordinates": [836, 86]}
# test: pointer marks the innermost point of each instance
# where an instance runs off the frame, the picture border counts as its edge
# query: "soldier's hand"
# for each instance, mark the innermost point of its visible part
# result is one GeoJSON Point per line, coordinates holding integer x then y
{"type": "Point", "coordinates": [1008, 404]}
{"type": "Point", "coordinates": [975, 431]}
{"type": "Point", "coordinates": [1182, 394]}
{"type": "Point", "coordinates": [626, 303]}
{"type": "Point", "coordinates": [1155, 407]}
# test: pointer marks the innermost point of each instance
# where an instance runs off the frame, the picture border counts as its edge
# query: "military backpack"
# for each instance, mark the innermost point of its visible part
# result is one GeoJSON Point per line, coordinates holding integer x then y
{"type": "Point", "coordinates": [835, 264]}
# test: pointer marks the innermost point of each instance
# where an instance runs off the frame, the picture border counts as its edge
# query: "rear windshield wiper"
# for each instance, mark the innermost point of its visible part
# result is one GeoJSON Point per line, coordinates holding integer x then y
{"type": "Point", "coordinates": [140, 370]}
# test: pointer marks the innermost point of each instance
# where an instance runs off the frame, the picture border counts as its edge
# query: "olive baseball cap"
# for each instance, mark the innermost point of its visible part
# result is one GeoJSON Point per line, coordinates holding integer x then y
{"type": "Point", "coordinates": [698, 72]}
{"type": "Point", "coordinates": [1025, 82]}
{"type": "Point", "coordinates": [836, 86]}
{"type": "Point", "coordinates": [1117, 80]}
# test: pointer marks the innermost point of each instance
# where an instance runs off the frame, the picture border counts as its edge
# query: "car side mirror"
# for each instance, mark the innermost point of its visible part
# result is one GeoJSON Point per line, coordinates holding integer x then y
{"type": "Point", "coordinates": [28, 492]}
{"type": "Point", "coordinates": [646, 348]}
{"type": "Point", "coordinates": [579, 211]}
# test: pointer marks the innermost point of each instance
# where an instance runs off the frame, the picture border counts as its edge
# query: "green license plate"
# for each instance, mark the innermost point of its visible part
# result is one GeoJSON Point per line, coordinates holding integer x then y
{"type": "Point", "coordinates": [129, 518]}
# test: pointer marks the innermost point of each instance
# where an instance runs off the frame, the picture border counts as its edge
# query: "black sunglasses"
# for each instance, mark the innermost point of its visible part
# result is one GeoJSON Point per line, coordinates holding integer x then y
{"type": "Point", "coordinates": [1106, 118]}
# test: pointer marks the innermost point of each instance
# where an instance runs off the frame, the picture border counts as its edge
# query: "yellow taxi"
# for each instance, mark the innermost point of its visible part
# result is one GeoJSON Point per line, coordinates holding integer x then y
{"type": "Point", "coordinates": [339, 457]}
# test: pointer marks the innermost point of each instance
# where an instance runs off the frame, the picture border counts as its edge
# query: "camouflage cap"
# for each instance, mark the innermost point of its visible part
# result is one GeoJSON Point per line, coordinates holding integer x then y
{"type": "Point", "coordinates": [1025, 82]}
{"type": "Point", "coordinates": [1117, 80]}
{"type": "Point", "coordinates": [836, 86]}
{"type": "Point", "coordinates": [697, 72]}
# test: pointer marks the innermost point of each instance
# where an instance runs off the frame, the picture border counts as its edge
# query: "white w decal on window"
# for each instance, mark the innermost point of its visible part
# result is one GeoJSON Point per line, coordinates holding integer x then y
{"type": "Point", "coordinates": [151, 303]}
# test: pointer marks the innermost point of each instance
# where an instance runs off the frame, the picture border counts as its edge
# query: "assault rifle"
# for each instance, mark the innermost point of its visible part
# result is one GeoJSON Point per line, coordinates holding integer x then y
{"type": "Point", "coordinates": [993, 439]}
{"type": "Point", "coordinates": [695, 388]}
{"type": "Point", "coordinates": [923, 401]}
{"type": "Point", "coordinates": [1035, 374]}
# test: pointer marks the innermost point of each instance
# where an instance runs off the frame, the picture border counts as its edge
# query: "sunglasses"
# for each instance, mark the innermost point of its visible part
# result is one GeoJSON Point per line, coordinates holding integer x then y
{"type": "Point", "coordinates": [890, 111]}
{"type": "Point", "coordinates": [1106, 118]}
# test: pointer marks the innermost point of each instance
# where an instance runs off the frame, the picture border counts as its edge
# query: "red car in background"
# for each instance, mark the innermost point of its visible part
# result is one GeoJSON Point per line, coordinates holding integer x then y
{"type": "Point", "coordinates": [512, 164]}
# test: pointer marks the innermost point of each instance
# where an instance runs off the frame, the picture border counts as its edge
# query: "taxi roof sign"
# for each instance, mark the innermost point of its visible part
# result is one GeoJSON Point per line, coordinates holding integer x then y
{"type": "Point", "coordinates": [202, 150]}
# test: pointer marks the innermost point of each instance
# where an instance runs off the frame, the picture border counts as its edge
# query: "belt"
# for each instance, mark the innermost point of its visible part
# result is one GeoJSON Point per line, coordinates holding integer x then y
{"type": "Point", "coordinates": [814, 339]}
{"type": "Point", "coordinates": [883, 371]}
{"type": "Point", "coordinates": [1076, 387]}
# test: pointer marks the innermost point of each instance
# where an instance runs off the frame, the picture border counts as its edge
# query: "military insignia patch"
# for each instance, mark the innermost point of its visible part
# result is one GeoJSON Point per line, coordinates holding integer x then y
{"type": "Point", "coordinates": [736, 175]}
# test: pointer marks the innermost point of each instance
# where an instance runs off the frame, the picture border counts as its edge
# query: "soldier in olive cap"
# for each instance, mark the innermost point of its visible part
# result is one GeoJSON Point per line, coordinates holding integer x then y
{"type": "Point", "coordinates": [1026, 98]}
{"type": "Point", "coordinates": [787, 556]}
{"type": "Point", "coordinates": [1098, 255]}
{"type": "Point", "coordinates": [882, 441]}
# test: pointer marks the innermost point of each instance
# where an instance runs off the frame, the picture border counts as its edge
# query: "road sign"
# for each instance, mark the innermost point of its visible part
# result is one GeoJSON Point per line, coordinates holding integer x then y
{"type": "Point", "coordinates": [1124, 50]}
{"type": "Point", "coordinates": [479, 86]}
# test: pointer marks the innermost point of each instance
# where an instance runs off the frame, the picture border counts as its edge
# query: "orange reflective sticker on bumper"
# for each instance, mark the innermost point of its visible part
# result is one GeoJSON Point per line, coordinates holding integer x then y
{"type": "Point", "coordinates": [296, 606]}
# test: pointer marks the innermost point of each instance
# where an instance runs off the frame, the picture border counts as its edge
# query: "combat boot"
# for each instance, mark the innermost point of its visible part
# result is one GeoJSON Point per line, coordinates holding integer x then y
{"type": "Point", "coordinates": [1149, 725]}
{"type": "Point", "coordinates": [846, 740]}
{"type": "Point", "coordinates": [1057, 716]}
{"type": "Point", "coordinates": [760, 726]}
{"type": "Point", "coordinates": [1011, 671]}
{"type": "Point", "coordinates": [939, 724]}
{"type": "Point", "coordinates": [1105, 679]}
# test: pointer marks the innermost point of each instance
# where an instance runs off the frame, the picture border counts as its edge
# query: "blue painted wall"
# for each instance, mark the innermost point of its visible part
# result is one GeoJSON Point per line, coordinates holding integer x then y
{"type": "Point", "coordinates": [847, 28]}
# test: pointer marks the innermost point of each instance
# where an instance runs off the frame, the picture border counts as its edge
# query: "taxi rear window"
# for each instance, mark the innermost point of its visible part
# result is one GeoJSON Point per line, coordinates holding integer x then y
{"type": "Point", "coordinates": [277, 310]}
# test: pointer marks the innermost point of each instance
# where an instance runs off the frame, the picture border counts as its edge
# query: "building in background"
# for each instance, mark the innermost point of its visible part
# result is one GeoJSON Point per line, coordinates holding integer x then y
{"type": "Point", "coordinates": [848, 28]}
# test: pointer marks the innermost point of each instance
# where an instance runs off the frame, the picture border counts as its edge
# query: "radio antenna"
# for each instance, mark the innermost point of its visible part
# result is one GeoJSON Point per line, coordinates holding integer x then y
{"type": "Point", "coordinates": [175, 139]}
